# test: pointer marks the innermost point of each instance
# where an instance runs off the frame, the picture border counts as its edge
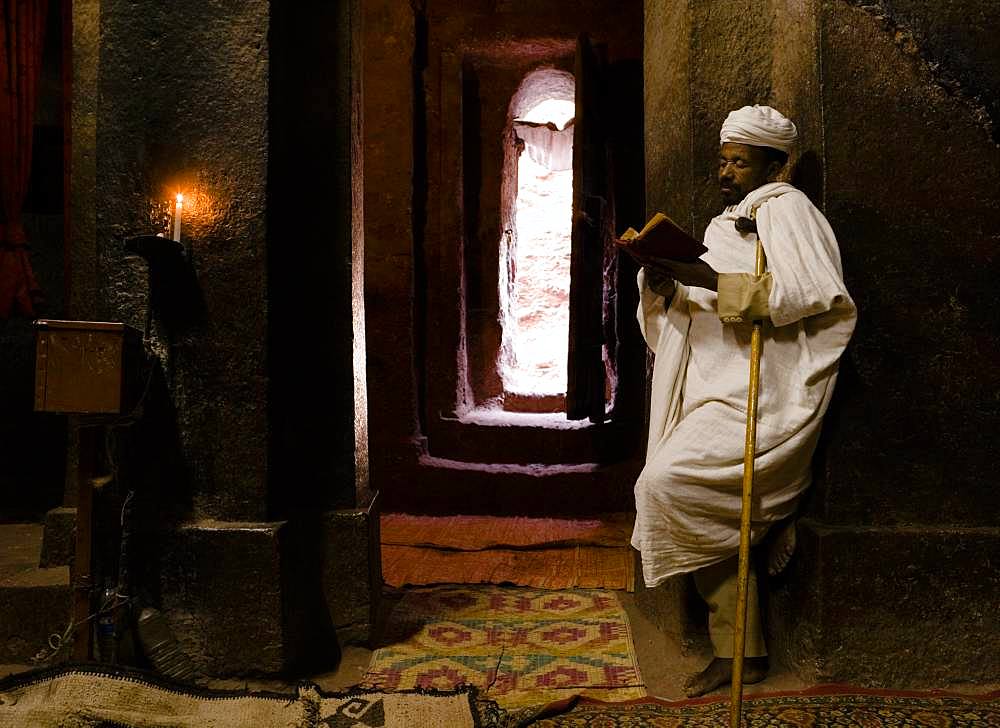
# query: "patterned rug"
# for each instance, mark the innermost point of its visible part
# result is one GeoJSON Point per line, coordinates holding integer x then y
{"type": "Point", "coordinates": [544, 553]}
{"type": "Point", "coordinates": [822, 707]}
{"type": "Point", "coordinates": [518, 647]}
{"type": "Point", "coordinates": [95, 696]}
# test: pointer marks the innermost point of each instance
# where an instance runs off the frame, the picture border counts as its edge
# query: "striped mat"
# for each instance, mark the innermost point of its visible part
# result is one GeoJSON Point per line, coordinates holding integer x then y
{"type": "Point", "coordinates": [543, 553]}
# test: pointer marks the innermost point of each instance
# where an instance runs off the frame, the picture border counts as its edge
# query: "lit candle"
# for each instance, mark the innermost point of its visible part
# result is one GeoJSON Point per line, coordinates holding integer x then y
{"type": "Point", "coordinates": [178, 209]}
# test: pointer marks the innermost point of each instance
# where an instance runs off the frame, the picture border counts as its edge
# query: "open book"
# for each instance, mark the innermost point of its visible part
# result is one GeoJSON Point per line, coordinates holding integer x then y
{"type": "Point", "coordinates": [661, 238]}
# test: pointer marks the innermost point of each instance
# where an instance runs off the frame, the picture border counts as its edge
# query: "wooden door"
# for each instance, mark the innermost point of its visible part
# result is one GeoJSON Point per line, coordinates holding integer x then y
{"type": "Point", "coordinates": [586, 377]}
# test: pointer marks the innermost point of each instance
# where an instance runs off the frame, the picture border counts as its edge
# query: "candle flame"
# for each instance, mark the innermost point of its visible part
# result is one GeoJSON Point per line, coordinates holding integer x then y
{"type": "Point", "coordinates": [180, 198]}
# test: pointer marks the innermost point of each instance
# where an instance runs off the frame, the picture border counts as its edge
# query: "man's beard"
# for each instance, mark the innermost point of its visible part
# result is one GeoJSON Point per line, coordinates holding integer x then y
{"type": "Point", "coordinates": [732, 196]}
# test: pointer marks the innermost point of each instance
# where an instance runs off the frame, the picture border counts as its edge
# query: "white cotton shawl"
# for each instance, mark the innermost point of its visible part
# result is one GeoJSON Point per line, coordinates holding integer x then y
{"type": "Point", "coordinates": [688, 495]}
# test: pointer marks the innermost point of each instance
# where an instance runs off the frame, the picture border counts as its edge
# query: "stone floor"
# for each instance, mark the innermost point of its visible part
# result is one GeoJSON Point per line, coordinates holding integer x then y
{"type": "Point", "coordinates": [32, 598]}
{"type": "Point", "coordinates": [662, 664]}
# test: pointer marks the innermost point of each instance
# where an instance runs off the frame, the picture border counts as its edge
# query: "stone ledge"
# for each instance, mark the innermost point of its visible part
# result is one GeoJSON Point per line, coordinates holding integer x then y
{"type": "Point", "coordinates": [352, 571]}
{"type": "Point", "coordinates": [887, 607]}
{"type": "Point", "coordinates": [221, 587]}
{"type": "Point", "coordinates": [59, 541]}
{"type": "Point", "coordinates": [33, 606]}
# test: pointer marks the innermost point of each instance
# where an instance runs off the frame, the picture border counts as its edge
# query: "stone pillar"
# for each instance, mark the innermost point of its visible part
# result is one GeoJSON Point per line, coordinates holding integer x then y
{"type": "Point", "coordinates": [182, 106]}
{"type": "Point", "coordinates": [317, 352]}
{"type": "Point", "coordinates": [896, 107]}
{"type": "Point", "coordinates": [245, 465]}
{"type": "Point", "coordinates": [388, 58]}
{"type": "Point", "coordinates": [895, 584]}
{"type": "Point", "coordinates": [174, 98]}
{"type": "Point", "coordinates": [669, 171]}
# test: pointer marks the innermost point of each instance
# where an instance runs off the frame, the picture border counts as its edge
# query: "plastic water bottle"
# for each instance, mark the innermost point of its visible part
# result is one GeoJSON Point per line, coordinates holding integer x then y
{"type": "Point", "coordinates": [107, 642]}
{"type": "Point", "coordinates": [161, 647]}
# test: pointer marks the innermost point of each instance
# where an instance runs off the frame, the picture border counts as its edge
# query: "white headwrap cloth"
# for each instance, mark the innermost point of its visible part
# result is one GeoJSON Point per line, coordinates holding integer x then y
{"type": "Point", "coordinates": [759, 126]}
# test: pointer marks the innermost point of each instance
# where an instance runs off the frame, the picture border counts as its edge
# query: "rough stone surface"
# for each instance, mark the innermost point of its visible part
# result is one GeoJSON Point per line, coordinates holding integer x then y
{"type": "Point", "coordinates": [891, 607]}
{"type": "Point", "coordinates": [255, 405]}
{"type": "Point", "coordinates": [32, 610]}
{"type": "Point", "coordinates": [955, 40]}
{"type": "Point", "coordinates": [183, 99]}
{"type": "Point", "coordinates": [388, 203]}
{"type": "Point", "coordinates": [221, 588]}
{"type": "Point", "coordinates": [84, 288]}
{"type": "Point", "coordinates": [730, 65]}
{"type": "Point", "coordinates": [352, 571]}
{"type": "Point", "coordinates": [34, 602]}
{"type": "Point", "coordinates": [59, 541]}
{"type": "Point", "coordinates": [917, 397]}
{"type": "Point", "coordinates": [666, 71]}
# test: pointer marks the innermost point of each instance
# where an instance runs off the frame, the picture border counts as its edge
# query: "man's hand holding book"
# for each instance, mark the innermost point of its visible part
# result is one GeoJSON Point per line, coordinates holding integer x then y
{"type": "Point", "coordinates": [666, 250]}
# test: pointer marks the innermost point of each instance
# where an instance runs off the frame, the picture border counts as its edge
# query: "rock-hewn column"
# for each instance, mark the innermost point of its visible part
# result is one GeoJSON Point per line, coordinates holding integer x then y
{"type": "Point", "coordinates": [895, 580]}
{"type": "Point", "coordinates": [183, 107]}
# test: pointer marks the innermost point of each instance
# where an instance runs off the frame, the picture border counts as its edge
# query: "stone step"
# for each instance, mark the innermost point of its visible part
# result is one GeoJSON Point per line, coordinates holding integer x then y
{"type": "Point", "coordinates": [34, 602]}
{"type": "Point", "coordinates": [20, 547]}
{"type": "Point", "coordinates": [58, 544]}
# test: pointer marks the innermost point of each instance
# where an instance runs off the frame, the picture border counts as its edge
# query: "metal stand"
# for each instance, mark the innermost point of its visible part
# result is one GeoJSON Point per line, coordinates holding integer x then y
{"type": "Point", "coordinates": [82, 580]}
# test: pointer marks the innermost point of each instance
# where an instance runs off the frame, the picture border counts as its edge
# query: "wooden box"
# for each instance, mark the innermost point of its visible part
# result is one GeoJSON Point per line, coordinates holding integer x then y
{"type": "Point", "coordinates": [85, 367]}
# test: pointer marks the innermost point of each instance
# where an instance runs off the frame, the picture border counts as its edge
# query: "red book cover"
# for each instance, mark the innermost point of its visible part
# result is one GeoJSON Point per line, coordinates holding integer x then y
{"type": "Point", "coordinates": [661, 238]}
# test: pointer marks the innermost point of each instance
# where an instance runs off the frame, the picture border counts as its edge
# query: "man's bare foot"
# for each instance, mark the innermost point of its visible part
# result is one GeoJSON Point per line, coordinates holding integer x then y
{"type": "Point", "coordinates": [781, 547]}
{"type": "Point", "coordinates": [720, 672]}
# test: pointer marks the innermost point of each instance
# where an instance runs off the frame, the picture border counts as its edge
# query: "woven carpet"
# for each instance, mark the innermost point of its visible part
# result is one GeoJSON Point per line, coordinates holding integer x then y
{"type": "Point", "coordinates": [87, 696]}
{"type": "Point", "coordinates": [545, 553]}
{"type": "Point", "coordinates": [473, 533]}
{"type": "Point", "coordinates": [822, 707]}
{"type": "Point", "coordinates": [518, 647]}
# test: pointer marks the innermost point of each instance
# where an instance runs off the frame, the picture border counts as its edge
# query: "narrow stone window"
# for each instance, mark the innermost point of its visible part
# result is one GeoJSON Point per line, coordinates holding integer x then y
{"type": "Point", "coordinates": [535, 249]}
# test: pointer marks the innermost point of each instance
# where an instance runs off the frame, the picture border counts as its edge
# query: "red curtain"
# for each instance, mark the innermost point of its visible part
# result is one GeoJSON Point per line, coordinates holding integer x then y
{"type": "Point", "coordinates": [21, 37]}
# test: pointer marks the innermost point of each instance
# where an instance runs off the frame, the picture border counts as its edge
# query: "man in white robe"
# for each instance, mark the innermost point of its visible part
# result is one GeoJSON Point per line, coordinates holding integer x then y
{"type": "Point", "coordinates": [696, 318]}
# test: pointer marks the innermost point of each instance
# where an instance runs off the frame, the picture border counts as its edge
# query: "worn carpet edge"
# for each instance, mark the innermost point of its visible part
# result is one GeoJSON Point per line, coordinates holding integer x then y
{"type": "Point", "coordinates": [483, 712]}
{"type": "Point", "coordinates": [478, 533]}
{"type": "Point", "coordinates": [582, 567]}
{"type": "Point", "coordinates": [20, 680]}
{"type": "Point", "coordinates": [825, 690]}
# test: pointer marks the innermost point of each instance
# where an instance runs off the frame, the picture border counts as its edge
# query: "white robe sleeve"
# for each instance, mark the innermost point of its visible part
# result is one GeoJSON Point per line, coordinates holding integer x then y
{"type": "Point", "coordinates": [803, 258]}
{"type": "Point", "coordinates": [665, 329]}
{"type": "Point", "coordinates": [652, 312]}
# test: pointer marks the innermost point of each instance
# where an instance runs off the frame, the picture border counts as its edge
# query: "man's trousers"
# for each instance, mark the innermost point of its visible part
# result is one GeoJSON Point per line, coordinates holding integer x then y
{"type": "Point", "coordinates": [717, 585]}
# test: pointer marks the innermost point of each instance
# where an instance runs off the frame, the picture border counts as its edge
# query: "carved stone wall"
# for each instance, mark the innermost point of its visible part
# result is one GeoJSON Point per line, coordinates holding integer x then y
{"type": "Point", "coordinates": [245, 455]}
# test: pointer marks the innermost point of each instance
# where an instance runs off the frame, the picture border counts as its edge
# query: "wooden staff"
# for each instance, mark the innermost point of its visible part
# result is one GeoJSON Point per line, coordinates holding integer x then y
{"type": "Point", "coordinates": [749, 451]}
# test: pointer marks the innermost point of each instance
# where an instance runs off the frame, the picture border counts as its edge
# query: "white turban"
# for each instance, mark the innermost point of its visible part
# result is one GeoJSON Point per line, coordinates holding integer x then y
{"type": "Point", "coordinates": [759, 126]}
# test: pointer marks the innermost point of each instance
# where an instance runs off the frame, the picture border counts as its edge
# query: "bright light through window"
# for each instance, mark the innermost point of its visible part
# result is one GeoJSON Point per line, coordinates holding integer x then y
{"type": "Point", "coordinates": [537, 330]}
